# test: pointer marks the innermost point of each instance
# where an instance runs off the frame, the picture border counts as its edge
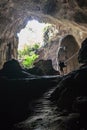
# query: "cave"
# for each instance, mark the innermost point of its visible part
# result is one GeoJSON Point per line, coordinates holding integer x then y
{"type": "Point", "coordinates": [14, 17]}
{"type": "Point", "coordinates": [17, 94]}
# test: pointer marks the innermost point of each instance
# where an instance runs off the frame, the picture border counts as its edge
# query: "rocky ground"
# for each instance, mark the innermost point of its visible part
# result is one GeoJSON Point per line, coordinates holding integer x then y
{"type": "Point", "coordinates": [43, 102]}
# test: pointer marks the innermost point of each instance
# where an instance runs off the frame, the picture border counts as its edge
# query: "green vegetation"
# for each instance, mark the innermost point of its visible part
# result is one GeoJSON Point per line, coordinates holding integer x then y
{"type": "Point", "coordinates": [30, 46]}
{"type": "Point", "coordinates": [28, 55]}
{"type": "Point", "coordinates": [29, 60]}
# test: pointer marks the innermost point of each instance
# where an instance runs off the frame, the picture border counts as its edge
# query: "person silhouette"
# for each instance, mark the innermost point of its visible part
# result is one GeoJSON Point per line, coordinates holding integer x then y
{"type": "Point", "coordinates": [61, 66]}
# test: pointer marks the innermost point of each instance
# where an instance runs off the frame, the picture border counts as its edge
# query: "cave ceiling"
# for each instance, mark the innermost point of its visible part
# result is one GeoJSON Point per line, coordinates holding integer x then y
{"type": "Point", "coordinates": [69, 14]}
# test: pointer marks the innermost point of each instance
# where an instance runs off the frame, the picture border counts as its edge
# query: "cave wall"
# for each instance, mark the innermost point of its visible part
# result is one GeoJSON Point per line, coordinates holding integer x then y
{"type": "Point", "coordinates": [69, 53]}
{"type": "Point", "coordinates": [68, 16]}
{"type": "Point", "coordinates": [8, 50]}
{"type": "Point", "coordinates": [63, 49]}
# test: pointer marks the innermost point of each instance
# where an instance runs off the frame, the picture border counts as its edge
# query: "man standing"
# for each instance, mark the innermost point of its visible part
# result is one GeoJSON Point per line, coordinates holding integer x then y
{"type": "Point", "coordinates": [61, 66]}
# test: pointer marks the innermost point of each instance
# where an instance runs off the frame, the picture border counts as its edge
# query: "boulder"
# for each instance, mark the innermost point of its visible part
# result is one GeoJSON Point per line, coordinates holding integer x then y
{"type": "Point", "coordinates": [12, 69]}
{"type": "Point", "coordinates": [72, 86]}
{"type": "Point", "coordinates": [82, 56]}
{"type": "Point", "coordinates": [43, 67]}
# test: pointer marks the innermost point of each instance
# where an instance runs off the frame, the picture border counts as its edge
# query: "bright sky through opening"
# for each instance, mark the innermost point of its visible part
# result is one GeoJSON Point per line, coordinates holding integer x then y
{"type": "Point", "coordinates": [31, 34]}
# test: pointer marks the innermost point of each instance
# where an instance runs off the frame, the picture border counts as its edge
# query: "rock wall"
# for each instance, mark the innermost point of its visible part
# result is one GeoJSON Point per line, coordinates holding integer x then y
{"type": "Point", "coordinates": [67, 15]}
{"type": "Point", "coordinates": [62, 49]}
{"type": "Point", "coordinates": [8, 50]}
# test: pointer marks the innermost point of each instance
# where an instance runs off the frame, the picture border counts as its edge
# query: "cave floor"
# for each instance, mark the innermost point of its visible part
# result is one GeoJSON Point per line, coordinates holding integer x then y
{"type": "Point", "coordinates": [44, 115]}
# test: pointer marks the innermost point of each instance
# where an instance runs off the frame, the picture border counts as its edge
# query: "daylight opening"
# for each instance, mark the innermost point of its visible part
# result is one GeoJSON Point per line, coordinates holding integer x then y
{"type": "Point", "coordinates": [31, 34]}
{"type": "Point", "coordinates": [31, 38]}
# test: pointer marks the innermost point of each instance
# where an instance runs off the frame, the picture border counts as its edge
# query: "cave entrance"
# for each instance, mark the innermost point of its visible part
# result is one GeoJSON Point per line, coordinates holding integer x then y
{"type": "Point", "coordinates": [31, 34]}
{"type": "Point", "coordinates": [31, 38]}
